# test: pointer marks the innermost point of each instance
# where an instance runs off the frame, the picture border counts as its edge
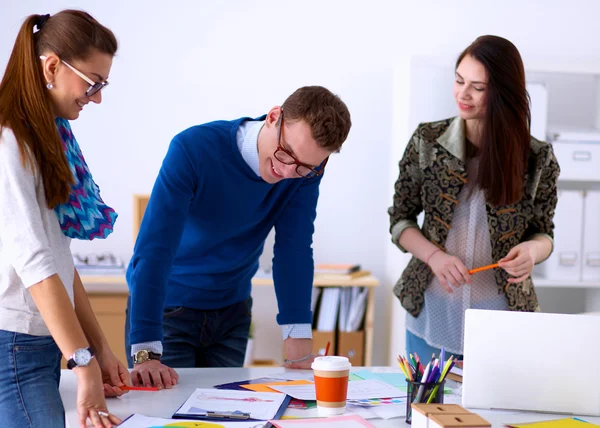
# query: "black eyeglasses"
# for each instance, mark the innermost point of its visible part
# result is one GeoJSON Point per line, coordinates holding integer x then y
{"type": "Point", "coordinates": [285, 157]}
{"type": "Point", "coordinates": [94, 88]}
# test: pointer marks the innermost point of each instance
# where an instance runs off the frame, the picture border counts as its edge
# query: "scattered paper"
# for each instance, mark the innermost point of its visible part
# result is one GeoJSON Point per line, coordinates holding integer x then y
{"type": "Point", "coordinates": [291, 374]}
{"type": "Point", "coordinates": [381, 412]}
{"type": "Point", "coordinates": [265, 387]}
{"type": "Point", "coordinates": [261, 406]}
{"type": "Point", "coordinates": [393, 378]}
{"type": "Point", "coordinates": [141, 421]}
{"type": "Point", "coordinates": [353, 421]}
{"type": "Point", "coordinates": [357, 390]}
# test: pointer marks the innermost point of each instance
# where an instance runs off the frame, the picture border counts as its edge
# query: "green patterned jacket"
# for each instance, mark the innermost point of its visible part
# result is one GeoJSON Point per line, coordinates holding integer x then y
{"type": "Point", "coordinates": [432, 174]}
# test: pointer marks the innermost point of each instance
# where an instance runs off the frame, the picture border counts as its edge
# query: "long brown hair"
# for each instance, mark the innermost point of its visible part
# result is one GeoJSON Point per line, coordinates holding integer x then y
{"type": "Point", "coordinates": [25, 105]}
{"type": "Point", "coordinates": [505, 133]}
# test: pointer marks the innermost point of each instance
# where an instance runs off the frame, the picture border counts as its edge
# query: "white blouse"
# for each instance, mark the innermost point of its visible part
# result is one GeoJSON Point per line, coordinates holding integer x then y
{"type": "Point", "coordinates": [442, 319]}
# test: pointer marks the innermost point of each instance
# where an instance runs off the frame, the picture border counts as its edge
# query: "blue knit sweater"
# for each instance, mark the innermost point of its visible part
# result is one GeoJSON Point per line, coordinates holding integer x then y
{"type": "Point", "coordinates": [205, 227]}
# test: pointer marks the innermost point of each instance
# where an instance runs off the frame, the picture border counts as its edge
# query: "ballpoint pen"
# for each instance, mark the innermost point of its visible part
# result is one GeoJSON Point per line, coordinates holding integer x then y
{"type": "Point", "coordinates": [227, 415]}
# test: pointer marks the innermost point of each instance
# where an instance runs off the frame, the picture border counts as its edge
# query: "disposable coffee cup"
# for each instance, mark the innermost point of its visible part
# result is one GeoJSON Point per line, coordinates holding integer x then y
{"type": "Point", "coordinates": [331, 384]}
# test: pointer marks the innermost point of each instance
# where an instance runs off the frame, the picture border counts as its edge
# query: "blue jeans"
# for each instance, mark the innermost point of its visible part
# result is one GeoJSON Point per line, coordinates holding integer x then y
{"type": "Point", "coordinates": [29, 380]}
{"type": "Point", "coordinates": [198, 338]}
{"type": "Point", "coordinates": [414, 344]}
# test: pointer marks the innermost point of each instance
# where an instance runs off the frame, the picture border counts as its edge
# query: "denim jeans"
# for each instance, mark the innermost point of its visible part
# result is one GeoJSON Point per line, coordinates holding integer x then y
{"type": "Point", "coordinates": [29, 380]}
{"type": "Point", "coordinates": [414, 344]}
{"type": "Point", "coordinates": [198, 338]}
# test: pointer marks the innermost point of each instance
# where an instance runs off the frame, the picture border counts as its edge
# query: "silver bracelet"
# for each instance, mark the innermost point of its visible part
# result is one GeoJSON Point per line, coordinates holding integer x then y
{"type": "Point", "coordinates": [308, 357]}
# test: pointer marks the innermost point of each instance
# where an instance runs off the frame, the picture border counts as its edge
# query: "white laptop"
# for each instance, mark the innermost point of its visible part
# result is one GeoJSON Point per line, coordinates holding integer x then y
{"type": "Point", "coordinates": [532, 361]}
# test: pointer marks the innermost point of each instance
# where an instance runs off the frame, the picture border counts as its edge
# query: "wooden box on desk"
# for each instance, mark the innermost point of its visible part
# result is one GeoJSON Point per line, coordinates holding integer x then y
{"type": "Point", "coordinates": [470, 420]}
{"type": "Point", "coordinates": [351, 344]}
{"type": "Point", "coordinates": [422, 412]}
{"type": "Point", "coordinates": [320, 340]}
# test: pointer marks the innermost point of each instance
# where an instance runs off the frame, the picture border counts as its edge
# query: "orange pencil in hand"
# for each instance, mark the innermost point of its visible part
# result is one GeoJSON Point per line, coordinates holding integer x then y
{"type": "Point", "coordinates": [482, 268]}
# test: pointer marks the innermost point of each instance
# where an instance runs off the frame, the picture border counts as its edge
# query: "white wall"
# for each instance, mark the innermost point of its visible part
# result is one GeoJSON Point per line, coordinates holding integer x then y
{"type": "Point", "coordinates": [186, 62]}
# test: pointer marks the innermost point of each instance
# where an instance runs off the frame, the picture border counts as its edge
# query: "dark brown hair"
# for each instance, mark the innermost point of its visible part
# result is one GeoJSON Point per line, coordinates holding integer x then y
{"type": "Point", "coordinates": [25, 105]}
{"type": "Point", "coordinates": [505, 134]}
{"type": "Point", "coordinates": [325, 113]}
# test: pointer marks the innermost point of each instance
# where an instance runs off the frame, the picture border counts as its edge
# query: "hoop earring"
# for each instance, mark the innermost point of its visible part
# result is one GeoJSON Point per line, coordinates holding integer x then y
{"type": "Point", "coordinates": [49, 85]}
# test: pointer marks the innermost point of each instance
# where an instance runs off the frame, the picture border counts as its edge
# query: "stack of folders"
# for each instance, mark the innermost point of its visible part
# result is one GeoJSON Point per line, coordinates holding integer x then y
{"type": "Point", "coordinates": [343, 305]}
{"type": "Point", "coordinates": [328, 310]}
{"type": "Point", "coordinates": [344, 308]}
{"type": "Point", "coordinates": [353, 302]}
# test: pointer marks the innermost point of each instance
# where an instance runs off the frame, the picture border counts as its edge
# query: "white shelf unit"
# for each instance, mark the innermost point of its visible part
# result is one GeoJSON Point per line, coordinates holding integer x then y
{"type": "Point", "coordinates": [558, 283]}
{"type": "Point", "coordinates": [574, 105]}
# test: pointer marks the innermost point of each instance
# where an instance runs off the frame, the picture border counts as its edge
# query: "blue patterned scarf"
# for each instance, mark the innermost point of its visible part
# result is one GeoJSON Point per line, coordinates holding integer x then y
{"type": "Point", "coordinates": [84, 216]}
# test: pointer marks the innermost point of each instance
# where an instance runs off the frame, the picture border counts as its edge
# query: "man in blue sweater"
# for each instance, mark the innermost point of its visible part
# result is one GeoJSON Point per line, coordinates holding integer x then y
{"type": "Point", "coordinates": [222, 187]}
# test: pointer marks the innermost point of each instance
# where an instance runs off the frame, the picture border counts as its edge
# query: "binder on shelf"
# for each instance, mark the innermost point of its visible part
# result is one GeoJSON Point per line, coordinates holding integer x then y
{"type": "Point", "coordinates": [316, 292]}
{"type": "Point", "coordinates": [353, 304]}
{"type": "Point", "coordinates": [320, 341]}
{"type": "Point", "coordinates": [351, 344]}
{"type": "Point", "coordinates": [328, 310]}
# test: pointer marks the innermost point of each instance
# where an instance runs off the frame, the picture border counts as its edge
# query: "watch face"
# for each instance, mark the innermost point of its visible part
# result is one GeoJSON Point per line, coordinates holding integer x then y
{"type": "Point", "coordinates": [141, 356]}
{"type": "Point", "coordinates": [82, 357]}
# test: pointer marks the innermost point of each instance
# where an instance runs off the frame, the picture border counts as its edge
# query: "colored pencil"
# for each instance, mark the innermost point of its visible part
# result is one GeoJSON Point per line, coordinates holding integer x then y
{"type": "Point", "coordinates": [482, 268]}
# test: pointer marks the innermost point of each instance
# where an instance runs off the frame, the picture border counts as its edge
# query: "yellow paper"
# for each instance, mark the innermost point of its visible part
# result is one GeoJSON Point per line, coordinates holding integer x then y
{"type": "Point", "coordinates": [558, 423]}
{"type": "Point", "coordinates": [264, 387]}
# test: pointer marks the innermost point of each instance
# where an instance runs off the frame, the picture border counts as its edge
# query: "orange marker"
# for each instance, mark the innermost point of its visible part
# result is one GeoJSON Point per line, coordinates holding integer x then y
{"type": "Point", "coordinates": [482, 268]}
{"type": "Point", "coordinates": [138, 388]}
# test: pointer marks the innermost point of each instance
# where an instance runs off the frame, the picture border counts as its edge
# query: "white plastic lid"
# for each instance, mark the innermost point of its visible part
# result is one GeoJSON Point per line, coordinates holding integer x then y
{"type": "Point", "coordinates": [332, 363]}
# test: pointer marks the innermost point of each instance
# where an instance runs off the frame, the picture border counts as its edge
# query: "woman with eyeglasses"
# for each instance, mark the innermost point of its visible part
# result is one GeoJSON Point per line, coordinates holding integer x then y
{"type": "Point", "coordinates": [58, 65]}
{"type": "Point", "coordinates": [488, 191]}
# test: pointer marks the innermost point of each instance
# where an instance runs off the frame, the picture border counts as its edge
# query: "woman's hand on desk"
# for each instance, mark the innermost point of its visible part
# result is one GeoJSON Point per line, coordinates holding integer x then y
{"type": "Point", "coordinates": [154, 373]}
{"type": "Point", "coordinates": [90, 398]}
{"type": "Point", "coordinates": [114, 374]}
{"type": "Point", "coordinates": [449, 270]}
{"type": "Point", "coordinates": [519, 261]}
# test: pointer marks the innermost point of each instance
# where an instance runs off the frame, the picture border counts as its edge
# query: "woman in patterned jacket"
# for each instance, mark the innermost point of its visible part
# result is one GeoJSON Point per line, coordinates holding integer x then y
{"type": "Point", "coordinates": [488, 192]}
{"type": "Point", "coordinates": [58, 65]}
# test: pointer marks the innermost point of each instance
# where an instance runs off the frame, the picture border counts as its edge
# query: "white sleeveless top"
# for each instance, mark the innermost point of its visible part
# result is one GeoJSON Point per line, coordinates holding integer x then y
{"type": "Point", "coordinates": [441, 321]}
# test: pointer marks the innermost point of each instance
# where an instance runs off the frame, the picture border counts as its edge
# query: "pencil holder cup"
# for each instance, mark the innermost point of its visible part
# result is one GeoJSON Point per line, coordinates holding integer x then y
{"type": "Point", "coordinates": [420, 392]}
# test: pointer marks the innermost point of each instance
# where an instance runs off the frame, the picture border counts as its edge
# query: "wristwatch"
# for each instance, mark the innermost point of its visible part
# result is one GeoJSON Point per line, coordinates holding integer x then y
{"type": "Point", "coordinates": [142, 356]}
{"type": "Point", "coordinates": [81, 358]}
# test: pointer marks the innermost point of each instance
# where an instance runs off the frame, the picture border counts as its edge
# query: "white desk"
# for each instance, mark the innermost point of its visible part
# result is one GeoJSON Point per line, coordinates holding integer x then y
{"type": "Point", "coordinates": [164, 403]}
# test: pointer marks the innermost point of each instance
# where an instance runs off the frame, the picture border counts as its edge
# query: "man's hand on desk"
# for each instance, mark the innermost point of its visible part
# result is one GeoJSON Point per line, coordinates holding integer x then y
{"type": "Point", "coordinates": [154, 373]}
{"type": "Point", "coordinates": [298, 349]}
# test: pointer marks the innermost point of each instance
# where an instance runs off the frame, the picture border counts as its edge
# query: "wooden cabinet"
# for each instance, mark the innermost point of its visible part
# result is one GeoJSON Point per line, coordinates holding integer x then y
{"type": "Point", "coordinates": [110, 312]}
{"type": "Point", "coordinates": [109, 309]}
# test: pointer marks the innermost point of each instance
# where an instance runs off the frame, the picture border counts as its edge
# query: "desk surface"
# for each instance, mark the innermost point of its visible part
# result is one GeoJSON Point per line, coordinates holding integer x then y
{"type": "Point", "coordinates": [164, 403]}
